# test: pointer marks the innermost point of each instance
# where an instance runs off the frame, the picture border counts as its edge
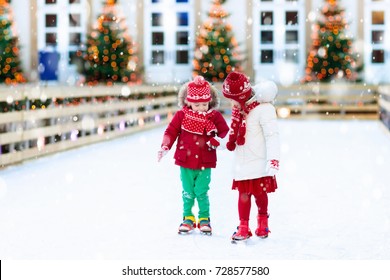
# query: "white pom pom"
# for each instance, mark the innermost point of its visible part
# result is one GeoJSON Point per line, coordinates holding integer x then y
{"type": "Point", "coordinates": [199, 80]}
{"type": "Point", "coordinates": [266, 91]}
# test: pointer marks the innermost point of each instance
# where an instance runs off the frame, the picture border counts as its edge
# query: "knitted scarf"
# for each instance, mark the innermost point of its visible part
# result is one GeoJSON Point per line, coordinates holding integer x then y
{"type": "Point", "coordinates": [198, 122]}
{"type": "Point", "coordinates": [238, 125]}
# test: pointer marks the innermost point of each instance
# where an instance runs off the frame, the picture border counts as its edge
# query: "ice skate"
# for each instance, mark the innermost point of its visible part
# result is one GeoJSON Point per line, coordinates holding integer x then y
{"type": "Point", "coordinates": [242, 234]}
{"type": "Point", "coordinates": [262, 226]}
{"type": "Point", "coordinates": [204, 226]}
{"type": "Point", "coordinates": [187, 226]}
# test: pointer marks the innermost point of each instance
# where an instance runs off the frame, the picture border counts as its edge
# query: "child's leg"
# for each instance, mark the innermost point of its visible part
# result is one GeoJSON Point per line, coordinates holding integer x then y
{"type": "Point", "coordinates": [187, 177]}
{"type": "Point", "coordinates": [262, 203]}
{"type": "Point", "coordinates": [202, 186]}
{"type": "Point", "coordinates": [262, 217]}
{"type": "Point", "coordinates": [244, 205]}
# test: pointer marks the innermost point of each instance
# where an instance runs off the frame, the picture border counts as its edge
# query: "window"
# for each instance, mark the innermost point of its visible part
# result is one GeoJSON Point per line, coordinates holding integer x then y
{"type": "Point", "coordinates": [377, 37]}
{"type": "Point", "coordinates": [378, 17]}
{"type": "Point", "coordinates": [51, 39]}
{"type": "Point", "coordinates": [51, 20]}
{"type": "Point", "coordinates": [267, 37]}
{"type": "Point", "coordinates": [291, 56]}
{"type": "Point", "coordinates": [378, 56]}
{"type": "Point", "coordinates": [181, 57]}
{"type": "Point", "coordinates": [292, 37]}
{"type": "Point", "coordinates": [157, 57]}
{"type": "Point", "coordinates": [158, 38]}
{"type": "Point", "coordinates": [291, 18]}
{"type": "Point", "coordinates": [182, 38]}
{"type": "Point", "coordinates": [157, 19]}
{"type": "Point", "coordinates": [74, 20]}
{"type": "Point", "coordinates": [74, 38]}
{"type": "Point", "coordinates": [267, 56]}
{"type": "Point", "coordinates": [182, 19]}
{"type": "Point", "coordinates": [266, 18]}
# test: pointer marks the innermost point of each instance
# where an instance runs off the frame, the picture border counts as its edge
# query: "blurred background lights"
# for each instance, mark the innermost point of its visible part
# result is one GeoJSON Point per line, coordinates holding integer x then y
{"type": "Point", "coordinates": [283, 112]}
{"type": "Point", "coordinates": [122, 125]}
{"type": "Point", "coordinates": [125, 91]}
{"type": "Point", "coordinates": [87, 123]}
{"type": "Point", "coordinates": [41, 143]}
{"type": "Point", "coordinates": [141, 122]}
{"type": "Point", "coordinates": [74, 134]}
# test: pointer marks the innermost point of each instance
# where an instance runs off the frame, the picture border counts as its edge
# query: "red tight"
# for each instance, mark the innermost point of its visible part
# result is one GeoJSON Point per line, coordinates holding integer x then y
{"type": "Point", "coordinates": [244, 204]}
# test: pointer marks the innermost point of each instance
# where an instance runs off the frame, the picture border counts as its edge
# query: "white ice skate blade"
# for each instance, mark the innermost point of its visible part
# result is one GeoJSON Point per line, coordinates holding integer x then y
{"type": "Point", "coordinates": [184, 232]}
{"type": "Point", "coordinates": [239, 241]}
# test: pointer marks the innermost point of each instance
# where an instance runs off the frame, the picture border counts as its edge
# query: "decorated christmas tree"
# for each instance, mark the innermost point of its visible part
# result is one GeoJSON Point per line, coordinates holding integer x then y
{"type": "Point", "coordinates": [110, 53]}
{"type": "Point", "coordinates": [331, 55]}
{"type": "Point", "coordinates": [10, 67]}
{"type": "Point", "coordinates": [216, 52]}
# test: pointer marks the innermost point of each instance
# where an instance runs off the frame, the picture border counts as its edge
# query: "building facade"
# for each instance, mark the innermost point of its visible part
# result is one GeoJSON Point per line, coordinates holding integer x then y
{"type": "Point", "coordinates": [274, 35]}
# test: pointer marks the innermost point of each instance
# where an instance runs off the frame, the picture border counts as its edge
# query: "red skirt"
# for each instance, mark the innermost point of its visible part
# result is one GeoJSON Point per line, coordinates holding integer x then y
{"type": "Point", "coordinates": [256, 186]}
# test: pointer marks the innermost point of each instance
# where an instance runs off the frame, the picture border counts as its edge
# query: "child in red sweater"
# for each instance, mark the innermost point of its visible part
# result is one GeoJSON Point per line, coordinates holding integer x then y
{"type": "Point", "coordinates": [198, 128]}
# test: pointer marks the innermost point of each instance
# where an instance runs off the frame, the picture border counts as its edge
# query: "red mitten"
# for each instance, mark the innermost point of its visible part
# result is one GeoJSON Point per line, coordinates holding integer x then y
{"type": "Point", "coordinates": [213, 143]}
{"type": "Point", "coordinates": [231, 146]}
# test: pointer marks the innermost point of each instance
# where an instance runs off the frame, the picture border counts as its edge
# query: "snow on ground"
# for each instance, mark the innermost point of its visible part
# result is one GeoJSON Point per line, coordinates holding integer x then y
{"type": "Point", "coordinates": [112, 200]}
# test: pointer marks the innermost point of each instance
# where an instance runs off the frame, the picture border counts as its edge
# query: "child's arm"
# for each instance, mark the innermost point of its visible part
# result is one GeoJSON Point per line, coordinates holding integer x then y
{"type": "Point", "coordinates": [268, 122]}
{"type": "Point", "coordinates": [222, 130]}
{"type": "Point", "coordinates": [170, 135]}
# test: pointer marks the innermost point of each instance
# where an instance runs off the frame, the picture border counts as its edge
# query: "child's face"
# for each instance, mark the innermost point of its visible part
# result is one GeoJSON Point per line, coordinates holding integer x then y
{"type": "Point", "coordinates": [200, 106]}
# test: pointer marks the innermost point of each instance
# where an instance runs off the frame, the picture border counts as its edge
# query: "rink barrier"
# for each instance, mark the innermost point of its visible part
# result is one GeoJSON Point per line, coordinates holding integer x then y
{"type": "Point", "coordinates": [72, 117]}
{"type": "Point", "coordinates": [384, 105]}
{"type": "Point", "coordinates": [37, 121]}
{"type": "Point", "coordinates": [325, 101]}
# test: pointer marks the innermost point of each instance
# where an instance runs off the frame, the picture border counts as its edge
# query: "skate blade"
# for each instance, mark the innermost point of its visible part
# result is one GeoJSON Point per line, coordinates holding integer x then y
{"type": "Point", "coordinates": [209, 233]}
{"type": "Point", "coordinates": [185, 232]}
{"type": "Point", "coordinates": [239, 241]}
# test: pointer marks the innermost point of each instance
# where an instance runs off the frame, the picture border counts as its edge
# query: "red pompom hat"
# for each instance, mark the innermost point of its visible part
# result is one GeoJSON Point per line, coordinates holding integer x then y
{"type": "Point", "coordinates": [237, 87]}
{"type": "Point", "coordinates": [198, 90]}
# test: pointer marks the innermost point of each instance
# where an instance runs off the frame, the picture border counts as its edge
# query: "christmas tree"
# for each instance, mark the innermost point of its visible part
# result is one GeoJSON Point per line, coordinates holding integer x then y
{"type": "Point", "coordinates": [331, 55]}
{"type": "Point", "coordinates": [110, 54]}
{"type": "Point", "coordinates": [216, 48]}
{"type": "Point", "coordinates": [10, 67]}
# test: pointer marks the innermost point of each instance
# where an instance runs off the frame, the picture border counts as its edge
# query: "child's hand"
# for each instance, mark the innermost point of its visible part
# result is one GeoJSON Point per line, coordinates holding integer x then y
{"type": "Point", "coordinates": [213, 143]}
{"type": "Point", "coordinates": [272, 167]}
{"type": "Point", "coordinates": [163, 151]}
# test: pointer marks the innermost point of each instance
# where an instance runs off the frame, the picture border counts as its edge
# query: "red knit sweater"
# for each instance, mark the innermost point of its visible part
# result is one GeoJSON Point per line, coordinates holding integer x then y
{"type": "Point", "coordinates": [191, 149]}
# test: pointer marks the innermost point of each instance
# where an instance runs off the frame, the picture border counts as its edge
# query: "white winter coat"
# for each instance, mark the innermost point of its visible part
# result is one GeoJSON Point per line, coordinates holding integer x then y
{"type": "Point", "coordinates": [261, 138]}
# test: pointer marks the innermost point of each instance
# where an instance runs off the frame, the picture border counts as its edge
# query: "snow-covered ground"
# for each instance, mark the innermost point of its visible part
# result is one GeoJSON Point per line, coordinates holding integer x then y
{"type": "Point", "coordinates": [112, 200]}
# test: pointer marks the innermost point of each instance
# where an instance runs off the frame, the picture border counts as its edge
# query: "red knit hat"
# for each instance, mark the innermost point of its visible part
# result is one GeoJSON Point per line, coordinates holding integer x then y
{"type": "Point", "coordinates": [198, 90]}
{"type": "Point", "coordinates": [237, 87]}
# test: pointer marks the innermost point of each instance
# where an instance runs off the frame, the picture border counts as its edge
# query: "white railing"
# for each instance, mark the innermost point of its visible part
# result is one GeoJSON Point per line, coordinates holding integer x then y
{"type": "Point", "coordinates": [325, 101]}
{"type": "Point", "coordinates": [77, 116]}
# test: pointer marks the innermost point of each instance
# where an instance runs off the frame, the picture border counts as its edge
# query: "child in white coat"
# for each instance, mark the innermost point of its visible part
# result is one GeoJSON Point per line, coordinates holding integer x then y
{"type": "Point", "coordinates": [254, 138]}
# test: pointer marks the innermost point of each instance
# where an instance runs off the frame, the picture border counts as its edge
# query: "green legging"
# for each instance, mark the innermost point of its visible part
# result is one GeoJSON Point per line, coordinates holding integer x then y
{"type": "Point", "coordinates": [195, 184]}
